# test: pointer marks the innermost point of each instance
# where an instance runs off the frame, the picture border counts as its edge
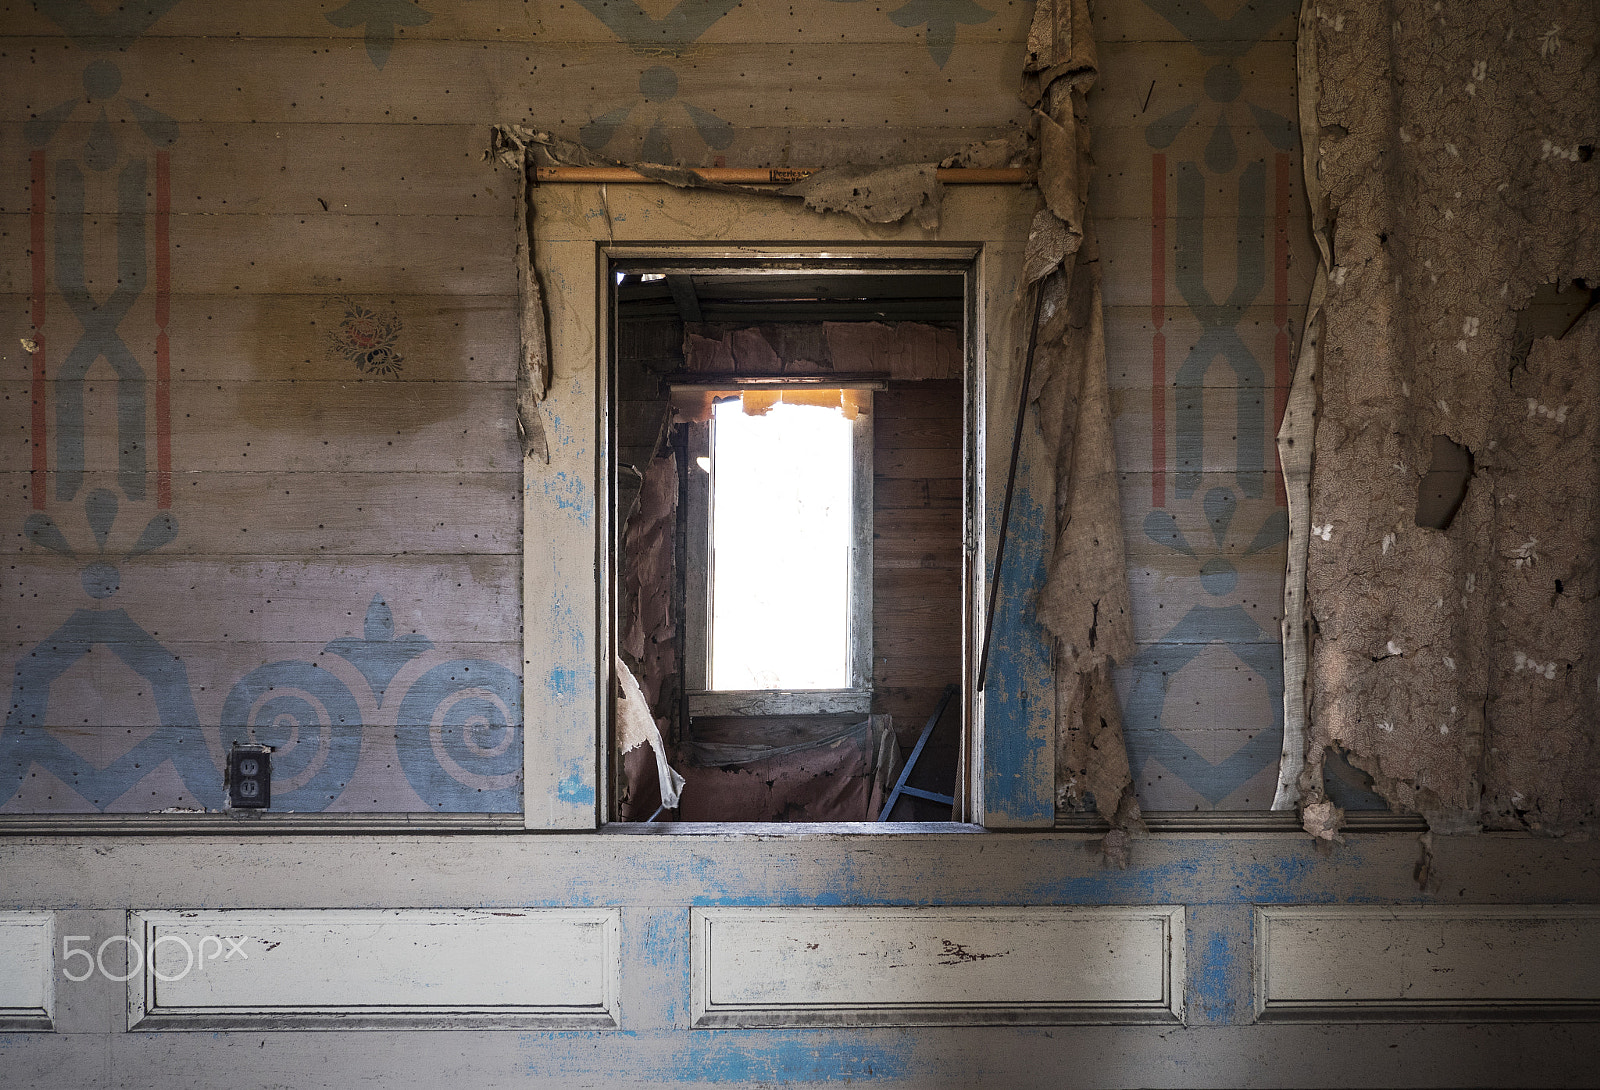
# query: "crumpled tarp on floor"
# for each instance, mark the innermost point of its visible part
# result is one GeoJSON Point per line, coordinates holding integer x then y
{"type": "Point", "coordinates": [789, 770]}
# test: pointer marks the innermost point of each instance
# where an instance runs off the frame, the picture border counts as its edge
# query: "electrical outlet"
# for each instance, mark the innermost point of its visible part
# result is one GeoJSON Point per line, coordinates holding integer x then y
{"type": "Point", "coordinates": [250, 777]}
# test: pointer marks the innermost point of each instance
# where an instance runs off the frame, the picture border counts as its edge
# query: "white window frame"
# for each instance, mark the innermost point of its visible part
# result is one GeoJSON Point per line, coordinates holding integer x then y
{"type": "Point", "coordinates": [580, 230]}
{"type": "Point", "coordinates": [703, 700]}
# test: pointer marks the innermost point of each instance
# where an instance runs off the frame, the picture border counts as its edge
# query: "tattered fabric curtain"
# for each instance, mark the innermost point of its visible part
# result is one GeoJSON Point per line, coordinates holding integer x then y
{"type": "Point", "coordinates": [1084, 603]}
{"type": "Point", "coordinates": [1456, 663]}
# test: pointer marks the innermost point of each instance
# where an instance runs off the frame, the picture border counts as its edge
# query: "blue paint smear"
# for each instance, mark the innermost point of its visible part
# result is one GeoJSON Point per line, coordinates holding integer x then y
{"type": "Point", "coordinates": [576, 789]}
{"type": "Point", "coordinates": [1013, 760]}
{"type": "Point", "coordinates": [1210, 979]}
{"type": "Point", "coordinates": [742, 1057]}
{"type": "Point", "coordinates": [565, 683]}
{"type": "Point", "coordinates": [731, 1056]}
{"type": "Point", "coordinates": [563, 623]}
{"type": "Point", "coordinates": [569, 492]}
{"type": "Point", "coordinates": [1241, 873]}
{"type": "Point", "coordinates": [1219, 965]}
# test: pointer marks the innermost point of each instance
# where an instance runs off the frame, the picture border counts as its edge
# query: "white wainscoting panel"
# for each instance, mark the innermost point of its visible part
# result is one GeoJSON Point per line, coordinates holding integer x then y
{"type": "Point", "coordinates": [936, 966]}
{"type": "Point", "coordinates": [360, 968]}
{"type": "Point", "coordinates": [1427, 962]}
{"type": "Point", "coordinates": [27, 971]}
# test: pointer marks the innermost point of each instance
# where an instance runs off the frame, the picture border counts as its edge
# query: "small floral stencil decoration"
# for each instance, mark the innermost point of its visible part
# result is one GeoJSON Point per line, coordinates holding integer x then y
{"type": "Point", "coordinates": [366, 337]}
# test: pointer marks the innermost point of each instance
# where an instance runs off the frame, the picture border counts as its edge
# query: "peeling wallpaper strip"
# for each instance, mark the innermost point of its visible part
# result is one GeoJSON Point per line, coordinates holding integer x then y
{"type": "Point", "coordinates": [1084, 602]}
{"type": "Point", "coordinates": [1296, 436]}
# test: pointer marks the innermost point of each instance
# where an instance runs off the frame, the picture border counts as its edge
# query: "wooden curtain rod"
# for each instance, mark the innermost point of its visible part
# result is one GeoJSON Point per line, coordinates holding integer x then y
{"type": "Point", "coordinates": [770, 175]}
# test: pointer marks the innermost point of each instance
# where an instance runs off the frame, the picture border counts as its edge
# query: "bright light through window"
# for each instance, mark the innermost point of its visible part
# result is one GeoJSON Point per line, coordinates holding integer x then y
{"type": "Point", "coordinates": [780, 542]}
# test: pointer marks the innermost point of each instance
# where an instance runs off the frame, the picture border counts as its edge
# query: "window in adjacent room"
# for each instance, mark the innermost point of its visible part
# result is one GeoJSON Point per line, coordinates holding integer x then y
{"type": "Point", "coordinates": [789, 488]}
{"type": "Point", "coordinates": [778, 595]}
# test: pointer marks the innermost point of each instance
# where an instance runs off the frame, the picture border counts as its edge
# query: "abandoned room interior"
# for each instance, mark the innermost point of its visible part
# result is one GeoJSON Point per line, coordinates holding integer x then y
{"type": "Point", "coordinates": [1017, 543]}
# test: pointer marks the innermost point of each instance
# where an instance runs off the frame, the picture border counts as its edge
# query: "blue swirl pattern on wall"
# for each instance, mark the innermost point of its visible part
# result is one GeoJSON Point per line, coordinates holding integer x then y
{"type": "Point", "coordinates": [311, 720]}
{"type": "Point", "coordinates": [457, 733]}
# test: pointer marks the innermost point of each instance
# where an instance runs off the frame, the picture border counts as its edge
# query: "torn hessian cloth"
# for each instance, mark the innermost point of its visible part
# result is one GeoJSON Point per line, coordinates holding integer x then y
{"type": "Point", "coordinates": [1084, 603]}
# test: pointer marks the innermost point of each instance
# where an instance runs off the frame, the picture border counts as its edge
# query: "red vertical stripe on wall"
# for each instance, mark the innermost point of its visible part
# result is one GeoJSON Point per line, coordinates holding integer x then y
{"type": "Point", "coordinates": [1158, 317]}
{"type": "Point", "coordinates": [163, 311]}
{"type": "Point", "coordinates": [37, 221]}
{"type": "Point", "coordinates": [1280, 310]}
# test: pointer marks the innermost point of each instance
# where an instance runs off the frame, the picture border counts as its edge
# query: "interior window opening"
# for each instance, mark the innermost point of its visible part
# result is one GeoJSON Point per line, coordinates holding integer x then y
{"type": "Point", "coordinates": [781, 546]}
{"type": "Point", "coordinates": [789, 511]}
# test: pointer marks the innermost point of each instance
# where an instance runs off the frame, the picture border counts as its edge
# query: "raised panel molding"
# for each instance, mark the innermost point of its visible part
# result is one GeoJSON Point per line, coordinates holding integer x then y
{"type": "Point", "coordinates": [754, 967]}
{"type": "Point", "coordinates": [1418, 963]}
{"type": "Point", "coordinates": [264, 969]}
{"type": "Point", "coordinates": [27, 971]}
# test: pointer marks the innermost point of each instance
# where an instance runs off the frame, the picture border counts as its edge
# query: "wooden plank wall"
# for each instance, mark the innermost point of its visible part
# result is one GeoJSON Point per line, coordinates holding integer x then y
{"type": "Point", "coordinates": [299, 154]}
{"type": "Point", "coordinates": [1200, 208]}
{"type": "Point", "coordinates": [916, 577]}
{"type": "Point", "coordinates": [304, 380]}
{"type": "Point", "coordinates": [260, 476]}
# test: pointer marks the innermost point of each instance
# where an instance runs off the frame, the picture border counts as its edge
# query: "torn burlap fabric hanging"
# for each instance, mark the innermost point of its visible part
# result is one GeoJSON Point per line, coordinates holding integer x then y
{"type": "Point", "coordinates": [1084, 602]}
{"type": "Point", "coordinates": [874, 194]}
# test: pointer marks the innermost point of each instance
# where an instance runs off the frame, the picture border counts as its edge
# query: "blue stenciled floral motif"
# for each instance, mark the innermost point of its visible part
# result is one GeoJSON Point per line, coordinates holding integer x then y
{"type": "Point", "coordinates": [671, 33]}
{"type": "Point", "coordinates": [1201, 627]}
{"type": "Point", "coordinates": [658, 87]}
{"type": "Point", "coordinates": [1223, 86]}
{"type": "Point", "coordinates": [27, 739]}
{"type": "Point", "coordinates": [95, 29]}
{"type": "Point", "coordinates": [379, 19]}
{"type": "Point", "coordinates": [1152, 672]}
{"type": "Point", "coordinates": [381, 654]}
{"type": "Point", "coordinates": [1227, 154]}
{"type": "Point", "coordinates": [941, 18]}
{"type": "Point", "coordinates": [1212, 35]}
